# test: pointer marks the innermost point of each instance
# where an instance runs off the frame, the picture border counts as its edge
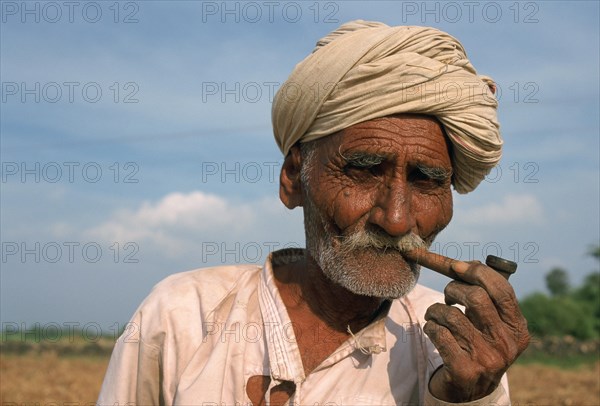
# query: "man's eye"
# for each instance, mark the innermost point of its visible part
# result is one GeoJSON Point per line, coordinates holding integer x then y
{"type": "Point", "coordinates": [424, 180]}
{"type": "Point", "coordinates": [357, 169]}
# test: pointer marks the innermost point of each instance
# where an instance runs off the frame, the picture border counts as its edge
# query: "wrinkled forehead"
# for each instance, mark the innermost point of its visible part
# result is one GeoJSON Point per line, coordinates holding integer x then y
{"type": "Point", "coordinates": [400, 125]}
{"type": "Point", "coordinates": [391, 136]}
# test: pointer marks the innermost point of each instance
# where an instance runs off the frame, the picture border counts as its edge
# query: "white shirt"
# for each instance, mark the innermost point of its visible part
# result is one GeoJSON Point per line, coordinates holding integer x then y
{"type": "Point", "coordinates": [200, 335]}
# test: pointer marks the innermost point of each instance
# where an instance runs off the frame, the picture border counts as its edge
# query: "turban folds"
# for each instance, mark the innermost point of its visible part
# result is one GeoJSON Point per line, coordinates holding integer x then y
{"type": "Point", "coordinates": [366, 70]}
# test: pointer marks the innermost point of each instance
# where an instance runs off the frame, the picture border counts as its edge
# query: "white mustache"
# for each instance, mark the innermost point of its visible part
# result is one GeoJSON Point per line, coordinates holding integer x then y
{"type": "Point", "coordinates": [368, 239]}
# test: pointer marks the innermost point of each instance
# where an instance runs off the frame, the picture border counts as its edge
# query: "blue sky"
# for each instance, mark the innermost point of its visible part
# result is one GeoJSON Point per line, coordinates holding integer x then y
{"type": "Point", "coordinates": [136, 141]}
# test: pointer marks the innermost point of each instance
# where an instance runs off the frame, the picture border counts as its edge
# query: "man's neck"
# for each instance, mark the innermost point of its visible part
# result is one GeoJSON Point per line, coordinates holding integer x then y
{"type": "Point", "coordinates": [304, 286]}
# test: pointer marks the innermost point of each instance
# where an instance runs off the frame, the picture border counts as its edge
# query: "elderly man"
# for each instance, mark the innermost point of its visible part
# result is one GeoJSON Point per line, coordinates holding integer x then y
{"type": "Point", "coordinates": [375, 126]}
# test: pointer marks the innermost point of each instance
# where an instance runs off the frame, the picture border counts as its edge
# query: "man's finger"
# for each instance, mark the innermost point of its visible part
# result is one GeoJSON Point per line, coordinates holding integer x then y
{"type": "Point", "coordinates": [456, 323]}
{"type": "Point", "coordinates": [503, 296]}
{"type": "Point", "coordinates": [449, 349]}
{"type": "Point", "coordinates": [479, 307]}
{"type": "Point", "coordinates": [500, 291]}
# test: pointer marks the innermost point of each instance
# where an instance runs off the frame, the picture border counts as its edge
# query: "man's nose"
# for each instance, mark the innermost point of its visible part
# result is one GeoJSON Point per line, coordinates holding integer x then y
{"type": "Point", "coordinates": [392, 210]}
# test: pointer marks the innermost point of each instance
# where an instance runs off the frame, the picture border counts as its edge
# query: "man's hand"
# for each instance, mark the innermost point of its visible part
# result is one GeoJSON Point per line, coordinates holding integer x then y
{"type": "Point", "coordinates": [477, 346]}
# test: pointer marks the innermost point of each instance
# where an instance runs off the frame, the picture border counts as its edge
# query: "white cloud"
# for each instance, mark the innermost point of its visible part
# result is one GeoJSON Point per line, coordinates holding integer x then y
{"type": "Point", "coordinates": [511, 210]}
{"type": "Point", "coordinates": [176, 223]}
{"type": "Point", "coordinates": [167, 221]}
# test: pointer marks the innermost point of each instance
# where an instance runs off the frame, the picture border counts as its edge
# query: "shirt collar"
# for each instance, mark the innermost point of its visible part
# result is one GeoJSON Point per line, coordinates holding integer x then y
{"type": "Point", "coordinates": [284, 354]}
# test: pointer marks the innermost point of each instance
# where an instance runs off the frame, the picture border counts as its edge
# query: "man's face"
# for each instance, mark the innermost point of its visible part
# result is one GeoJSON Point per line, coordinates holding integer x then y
{"type": "Point", "coordinates": [367, 187]}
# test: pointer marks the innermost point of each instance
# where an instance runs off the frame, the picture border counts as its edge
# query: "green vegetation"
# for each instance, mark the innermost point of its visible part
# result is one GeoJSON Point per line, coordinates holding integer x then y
{"type": "Point", "coordinates": [51, 333]}
{"type": "Point", "coordinates": [572, 361]}
{"type": "Point", "coordinates": [565, 325]}
{"type": "Point", "coordinates": [567, 311]}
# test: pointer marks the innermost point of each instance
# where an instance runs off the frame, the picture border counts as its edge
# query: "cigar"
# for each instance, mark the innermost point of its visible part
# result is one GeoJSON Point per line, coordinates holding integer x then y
{"type": "Point", "coordinates": [444, 265]}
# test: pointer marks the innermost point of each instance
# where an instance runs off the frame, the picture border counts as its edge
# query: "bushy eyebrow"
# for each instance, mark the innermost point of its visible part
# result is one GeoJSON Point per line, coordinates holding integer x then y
{"type": "Point", "coordinates": [435, 173]}
{"type": "Point", "coordinates": [364, 159]}
{"type": "Point", "coordinates": [367, 160]}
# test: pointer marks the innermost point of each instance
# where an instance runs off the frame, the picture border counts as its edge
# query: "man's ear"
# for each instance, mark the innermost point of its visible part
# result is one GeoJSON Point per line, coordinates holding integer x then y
{"type": "Point", "coordinates": [290, 184]}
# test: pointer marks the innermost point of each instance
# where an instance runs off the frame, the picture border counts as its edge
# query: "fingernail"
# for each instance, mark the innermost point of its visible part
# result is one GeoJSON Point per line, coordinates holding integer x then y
{"type": "Point", "coordinates": [460, 267]}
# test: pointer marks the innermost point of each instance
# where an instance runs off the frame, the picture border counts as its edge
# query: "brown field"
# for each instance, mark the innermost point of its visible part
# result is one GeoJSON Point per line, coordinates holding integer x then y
{"type": "Point", "coordinates": [43, 379]}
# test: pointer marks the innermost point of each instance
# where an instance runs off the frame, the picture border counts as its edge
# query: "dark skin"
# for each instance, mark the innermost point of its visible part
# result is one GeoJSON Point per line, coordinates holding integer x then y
{"type": "Point", "coordinates": [477, 347]}
{"type": "Point", "coordinates": [396, 197]}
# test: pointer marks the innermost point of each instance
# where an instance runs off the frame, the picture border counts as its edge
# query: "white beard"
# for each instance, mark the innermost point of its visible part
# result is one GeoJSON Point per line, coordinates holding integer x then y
{"type": "Point", "coordinates": [353, 262]}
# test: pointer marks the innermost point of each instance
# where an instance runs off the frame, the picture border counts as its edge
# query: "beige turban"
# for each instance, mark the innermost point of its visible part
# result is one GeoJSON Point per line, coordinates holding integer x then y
{"type": "Point", "coordinates": [365, 70]}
